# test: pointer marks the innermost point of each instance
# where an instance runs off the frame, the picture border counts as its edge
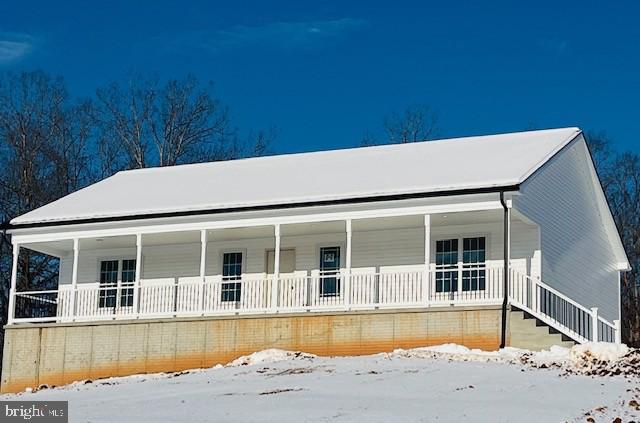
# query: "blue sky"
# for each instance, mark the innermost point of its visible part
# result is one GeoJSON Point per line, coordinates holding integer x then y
{"type": "Point", "coordinates": [327, 72]}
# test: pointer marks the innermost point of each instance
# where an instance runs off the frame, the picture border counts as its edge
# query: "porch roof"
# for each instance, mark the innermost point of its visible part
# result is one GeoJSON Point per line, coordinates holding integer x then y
{"type": "Point", "coordinates": [470, 163]}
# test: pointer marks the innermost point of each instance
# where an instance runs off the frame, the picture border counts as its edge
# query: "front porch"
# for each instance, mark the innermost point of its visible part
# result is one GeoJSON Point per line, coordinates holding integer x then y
{"type": "Point", "coordinates": [406, 261]}
{"type": "Point", "coordinates": [399, 262]}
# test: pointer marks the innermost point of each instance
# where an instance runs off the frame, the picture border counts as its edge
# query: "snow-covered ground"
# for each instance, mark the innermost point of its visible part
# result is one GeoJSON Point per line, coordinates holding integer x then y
{"type": "Point", "coordinates": [445, 383]}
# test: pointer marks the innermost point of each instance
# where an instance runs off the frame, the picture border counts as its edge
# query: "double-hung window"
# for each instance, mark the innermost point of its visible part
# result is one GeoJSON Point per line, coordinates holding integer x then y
{"type": "Point", "coordinates": [447, 265]}
{"type": "Point", "coordinates": [128, 280]}
{"type": "Point", "coordinates": [112, 273]}
{"type": "Point", "coordinates": [460, 259]}
{"type": "Point", "coordinates": [473, 262]}
{"type": "Point", "coordinates": [231, 276]}
{"type": "Point", "coordinates": [108, 282]}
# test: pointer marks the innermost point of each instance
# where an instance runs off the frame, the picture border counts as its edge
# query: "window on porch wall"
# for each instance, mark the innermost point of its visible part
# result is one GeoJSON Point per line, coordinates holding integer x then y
{"type": "Point", "coordinates": [448, 272]}
{"type": "Point", "coordinates": [108, 279]}
{"type": "Point", "coordinates": [231, 271]}
{"type": "Point", "coordinates": [128, 280]}
{"type": "Point", "coordinates": [473, 259]}
{"type": "Point", "coordinates": [447, 265]}
{"type": "Point", "coordinates": [110, 272]}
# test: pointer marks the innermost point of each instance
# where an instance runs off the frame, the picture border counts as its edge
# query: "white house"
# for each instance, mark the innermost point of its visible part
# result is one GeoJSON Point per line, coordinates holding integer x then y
{"type": "Point", "coordinates": [485, 241]}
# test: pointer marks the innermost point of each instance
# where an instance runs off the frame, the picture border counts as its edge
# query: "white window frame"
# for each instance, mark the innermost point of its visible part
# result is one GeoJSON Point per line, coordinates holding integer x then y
{"type": "Point", "coordinates": [339, 272]}
{"type": "Point", "coordinates": [242, 251]}
{"type": "Point", "coordinates": [460, 264]}
{"type": "Point", "coordinates": [118, 286]}
{"type": "Point", "coordinates": [320, 246]}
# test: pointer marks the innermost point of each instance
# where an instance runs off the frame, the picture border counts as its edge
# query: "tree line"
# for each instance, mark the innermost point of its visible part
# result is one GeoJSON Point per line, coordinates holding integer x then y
{"type": "Point", "coordinates": [619, 174]}
{"type": "Point", "coordinates": [52, 144]}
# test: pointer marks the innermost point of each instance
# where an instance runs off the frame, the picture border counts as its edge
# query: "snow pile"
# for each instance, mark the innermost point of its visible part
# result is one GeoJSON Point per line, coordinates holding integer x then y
{"type": "Point", "coordinates": [599, 351]}
{"type": "Point", "coordinates": [272, 355]}
{"type": "Point", "coordinates": [455, 352]}
{"type": "Point", "coordinates": [603, 359]}
{"type": "Point", "coordinates": [599, 358]}
{"type": "Point", "coordinates": [553, 357]}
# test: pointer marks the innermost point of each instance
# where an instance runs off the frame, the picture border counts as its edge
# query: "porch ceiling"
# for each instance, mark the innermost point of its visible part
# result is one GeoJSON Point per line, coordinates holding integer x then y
{"type": "Point", "coordinates": [466, 218]}
{"type": "Point", "coordinates": [52, 248]}
{"type": "Point", "coordinates": [399, 222]}
{"type": "Point", "coordinates": [313, 228]}
{"type": "Point", "coordinates": [241, 233]}
{"type": "Point", "coordinates": [62, 248]}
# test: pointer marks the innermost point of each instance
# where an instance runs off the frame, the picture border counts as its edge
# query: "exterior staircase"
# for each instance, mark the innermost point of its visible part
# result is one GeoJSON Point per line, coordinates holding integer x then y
{"type": "Point", "coordinates": [528, 332]}
{"type": "Point", "coordinates": [549, 310]}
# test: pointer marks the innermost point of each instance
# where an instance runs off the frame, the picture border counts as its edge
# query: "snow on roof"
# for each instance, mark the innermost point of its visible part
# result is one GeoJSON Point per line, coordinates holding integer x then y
{"type": "Point", "coordinates": [423, 167]}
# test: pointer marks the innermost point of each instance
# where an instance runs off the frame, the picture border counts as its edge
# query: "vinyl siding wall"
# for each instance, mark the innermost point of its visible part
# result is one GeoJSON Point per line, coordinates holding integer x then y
{"type": "Point", "coordinates": [384, 249]}
{"type": "Point", "coordinates": [577, 254]}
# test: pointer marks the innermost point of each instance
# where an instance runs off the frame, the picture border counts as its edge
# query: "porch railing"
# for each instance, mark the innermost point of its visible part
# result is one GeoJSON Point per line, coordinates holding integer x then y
{"type": "Point", "coordinates": [301, 292]}
{"type": "Point", "coordinates": [295, 292]}
{"type": "Point", "coordinates": [559, 311]}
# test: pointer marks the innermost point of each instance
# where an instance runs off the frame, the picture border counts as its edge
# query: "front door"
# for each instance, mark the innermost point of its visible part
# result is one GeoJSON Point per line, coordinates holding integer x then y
{"type": "Point", "coordinates": [329, 269]}
{"type": "Point", "coordinates": [287, 261]}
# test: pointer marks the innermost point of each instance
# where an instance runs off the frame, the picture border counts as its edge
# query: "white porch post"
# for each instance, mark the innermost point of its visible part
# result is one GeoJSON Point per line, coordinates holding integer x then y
{"type": "Point", "coordinates": [276, 269]}
{"type": "Point", "coordinates": [203, 267]}
{"type": "Point", "coordinates": [427, 260]}
{"type": "Point", "coordinates": [347, 280]}
{"type": "Point", "coordinates": [74, 277]}
{"type": "Point", "coordinates": [594, 323]}
{"type": "Point", "coordinates": [618, 333]}
{"type": "Point", "coordinates": [136, 287]}
{"type": "Point", "coordinates": [14, 279]}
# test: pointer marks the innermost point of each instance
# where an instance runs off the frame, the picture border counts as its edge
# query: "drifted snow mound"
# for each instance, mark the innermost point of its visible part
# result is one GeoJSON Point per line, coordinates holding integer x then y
{"type": "Point", "coordinates": [604, 359]}
{"type": "Point", "coordinates": [455, 352]}
{"type": "Point", "coordinates": [271, 355]}
{"type": "Point", "coordinates": [598, 351]}
{"type": "Point", "coordinates": [595, 358]}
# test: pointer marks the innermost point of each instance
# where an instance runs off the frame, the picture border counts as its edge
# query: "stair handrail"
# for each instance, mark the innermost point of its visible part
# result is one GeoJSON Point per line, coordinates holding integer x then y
{"type": "Point", "coordinates": [554, 291]}
{"type": "Point", "coordinates": [553, 321]}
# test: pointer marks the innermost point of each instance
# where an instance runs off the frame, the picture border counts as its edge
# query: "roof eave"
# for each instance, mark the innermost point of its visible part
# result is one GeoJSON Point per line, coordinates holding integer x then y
{"type": "Point", "coordinates": [351, 200]}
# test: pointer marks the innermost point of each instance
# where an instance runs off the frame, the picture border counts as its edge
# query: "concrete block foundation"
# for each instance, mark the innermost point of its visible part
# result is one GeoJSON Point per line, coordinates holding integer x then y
{"type": "Point", "coordinates": [56, 354]}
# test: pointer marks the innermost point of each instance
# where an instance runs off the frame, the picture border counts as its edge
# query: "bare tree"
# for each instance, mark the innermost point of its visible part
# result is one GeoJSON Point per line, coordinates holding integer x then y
{"type": "Point", "coordinates": [187, 122]}
{"type": "Point", "coordinates": [623, 191]}
{"type": "Point", "coordinates": [44, 142]}
{"type": "Point", "coordinates": [259, 142]}
{"type": "Point", "coordinates": [146, 124]}
{"type": "Point", "coordinates": [48, 146]}
{"type": "Point", "coordinates": [416, 123]}
{"type": "Point", "coordinates": [600, 146]}
{"type": "Point", "coordinates": [620, 177]}
{"type": "Point", "coordinates": [123, 115]}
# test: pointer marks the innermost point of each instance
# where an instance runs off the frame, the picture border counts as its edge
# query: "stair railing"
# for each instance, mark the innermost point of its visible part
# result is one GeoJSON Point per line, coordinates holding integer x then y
{"type": "Point", "coordinates": [559, 311]}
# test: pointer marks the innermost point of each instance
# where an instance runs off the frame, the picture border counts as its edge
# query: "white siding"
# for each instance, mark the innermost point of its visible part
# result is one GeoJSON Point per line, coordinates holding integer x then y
{"type": "Point", "coordinates": [577, 254]}
{"type": "Point", "coordinates": [376, 248]}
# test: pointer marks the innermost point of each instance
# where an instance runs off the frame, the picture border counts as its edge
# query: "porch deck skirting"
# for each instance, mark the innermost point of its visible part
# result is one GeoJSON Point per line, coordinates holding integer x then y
{"type": "Point", "coordinates": [58, 353]}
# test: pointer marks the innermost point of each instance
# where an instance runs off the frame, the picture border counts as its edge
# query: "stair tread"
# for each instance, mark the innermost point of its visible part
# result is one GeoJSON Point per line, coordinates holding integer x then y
{"type": "Point", "coordinates": [529, 332]}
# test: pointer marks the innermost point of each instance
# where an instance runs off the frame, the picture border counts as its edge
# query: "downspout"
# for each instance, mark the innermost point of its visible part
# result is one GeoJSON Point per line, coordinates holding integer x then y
{"type": "Point", "coordinates": [505, 287]}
